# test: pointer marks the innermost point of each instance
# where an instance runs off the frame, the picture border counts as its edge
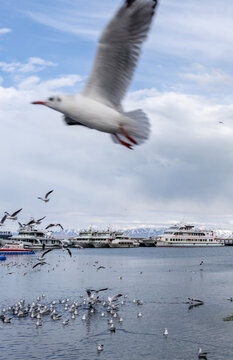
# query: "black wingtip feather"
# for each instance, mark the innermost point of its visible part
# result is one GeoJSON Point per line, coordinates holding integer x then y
{"type": "Point", "coordinates": [129, 3]}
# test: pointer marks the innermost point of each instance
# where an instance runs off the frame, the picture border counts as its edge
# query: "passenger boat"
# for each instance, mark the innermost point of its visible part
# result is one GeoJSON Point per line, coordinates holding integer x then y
{"type": "Point", "coordinates": [15, 249]}
{"type": "Point", "coordinates": [102, 239]}
{"type": "Point", "coordinates": [35, 239]}
{"type": "Point", "coordinates": [187, 236]}
{"type": "Point", "coordinates": [149, 242]}
{"type": "Point", "coordinates": [123, 241]}
{"type": "Point", "coordinates": [4, 236]}
{"type": "Point", "coordinates": [83, 239]}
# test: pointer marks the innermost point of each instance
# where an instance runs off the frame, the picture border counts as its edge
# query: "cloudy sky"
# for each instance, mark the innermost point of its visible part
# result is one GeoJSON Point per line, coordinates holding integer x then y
{"type": "Point", "coordinates": [183, 82]}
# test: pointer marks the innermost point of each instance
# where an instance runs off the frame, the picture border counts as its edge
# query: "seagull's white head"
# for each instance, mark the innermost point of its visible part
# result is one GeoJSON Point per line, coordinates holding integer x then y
{"type": "Point", "coordinates": [55, 102]}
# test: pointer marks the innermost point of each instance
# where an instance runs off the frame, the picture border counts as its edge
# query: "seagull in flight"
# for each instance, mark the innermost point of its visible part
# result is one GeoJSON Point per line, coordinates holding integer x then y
{"type": "Point", "coordinates": [99, 105]}
{"type": "Point", "coordinates": [46, 198]}
{"type": "Point", "coordinates": [40, 263]}
{"type": "Point", "coordinates": [12, 216]}
{"type": "Point", "coordinates": [33, 221]}
{"type": "Point", "coordinates": [51, 225]}
{"type": "Point", "coordinates": [113, 298]}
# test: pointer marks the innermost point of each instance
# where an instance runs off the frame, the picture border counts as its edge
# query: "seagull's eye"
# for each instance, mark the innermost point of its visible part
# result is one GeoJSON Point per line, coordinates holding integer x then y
{"type": "Point", "coordinates": [51, 99]}
{"type": "Point", "coordinates": [58, 99]}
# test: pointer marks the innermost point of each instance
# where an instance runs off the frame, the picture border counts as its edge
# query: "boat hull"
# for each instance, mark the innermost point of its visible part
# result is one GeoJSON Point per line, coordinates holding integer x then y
{"type": "Point", "coordinates": [115, 244]}
{"type": "Point", "coordinates": [188, 245]}
{"type": "Point", "coordinates": [16, 252]}
{"type": "Point", "coordinates": [100, 244]}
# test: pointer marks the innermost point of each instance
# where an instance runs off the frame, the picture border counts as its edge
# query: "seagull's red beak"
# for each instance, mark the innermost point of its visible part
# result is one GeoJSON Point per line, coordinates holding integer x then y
{"type": "Point", "coordinates": [38, 102]}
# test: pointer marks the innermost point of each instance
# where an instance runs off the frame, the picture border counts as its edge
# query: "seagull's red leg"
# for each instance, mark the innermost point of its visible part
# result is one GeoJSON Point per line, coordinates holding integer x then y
{"type": "Point", "coordinates": [123, 142]}
{"type": "Point", "coordinates": [127, 135]}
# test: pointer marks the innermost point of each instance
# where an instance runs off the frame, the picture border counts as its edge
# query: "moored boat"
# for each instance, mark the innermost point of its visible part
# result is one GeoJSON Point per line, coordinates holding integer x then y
{"type": "Point", "coordinates": [5, 236]}
{"type": "Point", "coordinates": [15, 249]}
{"type": "Point", "coordinates": [83, 239]}
{"type": "Point", "coordinates": [35, 239]}
{"type": "Point", "coordinates": [123, 241]}
{"type": "Point", "coordinates": [101, 239]}
{"type": "Point", "coordinates": [187, 236]}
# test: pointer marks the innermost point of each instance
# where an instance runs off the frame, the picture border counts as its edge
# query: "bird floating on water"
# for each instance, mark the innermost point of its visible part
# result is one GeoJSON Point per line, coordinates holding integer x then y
{"type": "Point", "coordinates": [99, 105]}
{"type": "Point", "coordinates": [165, 333]}
{"type": "Point", "coordinates": [100, 347]}
{"type": "Point", "coordinates": [202, 355]}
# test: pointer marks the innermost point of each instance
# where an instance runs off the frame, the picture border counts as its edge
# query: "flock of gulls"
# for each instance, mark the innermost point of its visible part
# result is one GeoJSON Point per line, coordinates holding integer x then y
{"type": "Point", "coordinates": [98, 304]}
{"type": "Point", "coordinates": [87, 306]}
{"type": "Point", "coordinates": [32, 221]}
{"type": "Point", "coordinates": [14, 215]}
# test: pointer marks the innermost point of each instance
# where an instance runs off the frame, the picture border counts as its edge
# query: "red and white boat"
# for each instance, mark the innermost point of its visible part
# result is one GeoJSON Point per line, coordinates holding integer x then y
{"type": "Point", "coordinates": [15, 249]}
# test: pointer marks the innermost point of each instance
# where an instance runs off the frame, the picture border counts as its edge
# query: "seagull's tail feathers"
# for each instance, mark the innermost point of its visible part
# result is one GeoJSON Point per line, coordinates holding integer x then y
{"type": "Point", "coordinates": [135, 131]}
{"type": "Point", "coordinates": [139, 129]}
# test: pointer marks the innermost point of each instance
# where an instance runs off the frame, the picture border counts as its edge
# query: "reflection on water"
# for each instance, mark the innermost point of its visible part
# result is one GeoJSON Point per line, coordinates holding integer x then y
{"type": "Point", "coordinates": [163, 278]}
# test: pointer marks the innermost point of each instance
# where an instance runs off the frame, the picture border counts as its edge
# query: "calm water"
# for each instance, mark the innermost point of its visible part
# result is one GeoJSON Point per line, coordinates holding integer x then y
{"type": "Point", "coordinates": [169, 277]}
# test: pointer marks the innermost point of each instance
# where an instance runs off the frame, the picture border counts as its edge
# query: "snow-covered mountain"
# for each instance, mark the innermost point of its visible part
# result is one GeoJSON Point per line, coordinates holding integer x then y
{"type": "Point", "coordinates": [145, 232]}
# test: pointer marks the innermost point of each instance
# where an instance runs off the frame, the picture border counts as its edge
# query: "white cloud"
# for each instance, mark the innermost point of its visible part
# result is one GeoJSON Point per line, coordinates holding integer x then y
{"type": "Point", "coordinates": [185, 167]}
{"type": "Point", "coordinates": [4, 31]}
{"type": "Point", "coordinates": [212, 77]}
{"type": "Point", "coordinates": [34, 64]}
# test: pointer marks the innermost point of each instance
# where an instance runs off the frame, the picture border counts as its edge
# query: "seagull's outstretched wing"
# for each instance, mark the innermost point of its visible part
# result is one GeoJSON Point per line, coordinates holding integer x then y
{"type": "Point", "coordinates": [118, 51]}
{"type": "Point", "coordinates": [115, 297]}
{"type": "Point", "coordinates": [46, 252]}
{"type": "Point", "coordinates": [16, 212]}
{"type": "Point", "coordinates": [3, 219]}
{"type": "Point", "coordinates": [60, 226]}
{"type": "Point", "coordinates": [48, 193]}
{"type": "Point", "coordinates": [41, 218]}
{"type": "Point", "coordinates": [40, 263]}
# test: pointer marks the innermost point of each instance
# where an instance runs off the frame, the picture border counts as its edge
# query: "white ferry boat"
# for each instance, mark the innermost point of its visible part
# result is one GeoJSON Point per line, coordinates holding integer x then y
{"type": "Point", "coordinates": [83, 239]}
{"type": "Point", "coordinates": [35, 239]}
{"type": "Point", "coordinates": [92, 238]}
{"type": "Point", "coordinates": [186, 236]}
{"type": "Point", "coordinates": [5, 235]}
{"type": "Point", "coordinates": [123, 241]}
{"type": "Point", "coordinates": [102, 239]}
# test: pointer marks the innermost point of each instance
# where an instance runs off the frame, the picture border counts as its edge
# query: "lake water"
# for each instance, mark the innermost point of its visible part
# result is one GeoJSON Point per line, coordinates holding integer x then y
{"type": "Point", "coordinates": [162, 278]}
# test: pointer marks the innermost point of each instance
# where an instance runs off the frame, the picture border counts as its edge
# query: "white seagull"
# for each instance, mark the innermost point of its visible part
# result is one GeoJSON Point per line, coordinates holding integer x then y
{"type": "Point", "coordinates": [12, 216]}
{"type": "Point", "coordinates": [46, 198]}
{"type": "Point", "coordinates": [98, 105]}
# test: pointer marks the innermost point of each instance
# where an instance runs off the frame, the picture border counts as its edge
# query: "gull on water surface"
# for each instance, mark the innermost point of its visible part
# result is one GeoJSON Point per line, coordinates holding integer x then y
{"type": "Point", "coordinates": [98, 106]}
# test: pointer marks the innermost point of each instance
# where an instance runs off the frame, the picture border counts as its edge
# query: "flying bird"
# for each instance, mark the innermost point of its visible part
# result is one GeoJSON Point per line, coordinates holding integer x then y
{"type": "Point", "coordinates": [52, 225]}
{"type": "Point", "coordinates": [98, 106]}
{"type": "Point", "coordinates": [12, 216]}
{"type": "Point", "coordinates": [46, 198]}
{"type": "Point", "coordinates": [40, 263]}
{"type": "Point", "coordinates": [37, 222]}
{"type": "Point", "coordinates": [100, 267]}
{"type": "Point", "coordinates": [113, 298]}
{"type": "Point", "coordinates": [51, 249]}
